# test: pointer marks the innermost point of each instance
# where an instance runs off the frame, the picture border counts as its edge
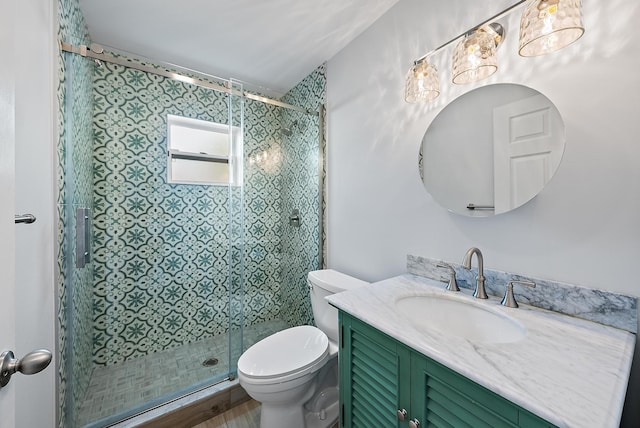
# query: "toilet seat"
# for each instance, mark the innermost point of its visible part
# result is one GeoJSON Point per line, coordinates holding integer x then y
{"type": "Point", "coordinates": [285, 355]}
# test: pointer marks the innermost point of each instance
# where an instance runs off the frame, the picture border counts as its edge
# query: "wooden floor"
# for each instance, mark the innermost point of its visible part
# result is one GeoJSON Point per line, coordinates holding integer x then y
{"type": "Point", "coordinates": [245, 415]}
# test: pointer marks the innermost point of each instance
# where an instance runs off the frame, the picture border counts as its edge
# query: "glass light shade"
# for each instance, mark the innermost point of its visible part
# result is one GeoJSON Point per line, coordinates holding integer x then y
{"type": "Point", "coordinates": [422, 83]}
{"type": "Point", "coordinates": [474, 58]}
{"type": "Point", "coordinates": [549, 25]}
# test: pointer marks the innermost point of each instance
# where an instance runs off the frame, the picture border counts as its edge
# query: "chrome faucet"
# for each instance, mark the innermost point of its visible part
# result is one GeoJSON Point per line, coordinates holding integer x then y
{"type": "Point", "coordinates": [480, 292]}
{"type": "Point", "coordinates": [509, 300]}
{"type": "Point", "coordinates": [452, 285]}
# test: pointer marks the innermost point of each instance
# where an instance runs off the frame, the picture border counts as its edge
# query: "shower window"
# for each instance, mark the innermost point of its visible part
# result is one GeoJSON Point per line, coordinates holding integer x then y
{"type": "Point", "coordinates": [198, 151]}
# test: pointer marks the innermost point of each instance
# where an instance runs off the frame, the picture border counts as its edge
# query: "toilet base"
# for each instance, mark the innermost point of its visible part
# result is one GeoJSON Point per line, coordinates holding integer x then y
{"type": "Point", "coordinates": [310, 404]}
{"type": "Point", "coordinates": [327, 418]}
{"type": "Point", "coordinates": [298, 415]}
{"type": "Point", "coordinates": [272, 416]}
{"type": "Point", "coordinates": [290, 417]}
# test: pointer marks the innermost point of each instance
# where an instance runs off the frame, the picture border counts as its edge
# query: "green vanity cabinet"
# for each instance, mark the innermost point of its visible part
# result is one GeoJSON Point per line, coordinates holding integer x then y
{"type": "Point", "coordinates": [380, 376]}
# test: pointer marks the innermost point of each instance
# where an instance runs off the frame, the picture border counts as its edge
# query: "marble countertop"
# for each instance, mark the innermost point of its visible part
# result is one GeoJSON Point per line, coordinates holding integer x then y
{"type": "Point", "coordinates": [568, 371]}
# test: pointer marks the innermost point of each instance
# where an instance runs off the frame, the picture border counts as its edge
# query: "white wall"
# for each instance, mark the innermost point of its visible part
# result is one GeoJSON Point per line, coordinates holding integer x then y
{"type": "Point", "coordinates": [584, 228]}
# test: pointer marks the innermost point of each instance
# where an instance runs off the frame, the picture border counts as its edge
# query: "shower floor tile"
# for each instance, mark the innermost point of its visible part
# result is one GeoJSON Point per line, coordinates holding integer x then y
{"type": "Point", "coordinates": [122, 387]}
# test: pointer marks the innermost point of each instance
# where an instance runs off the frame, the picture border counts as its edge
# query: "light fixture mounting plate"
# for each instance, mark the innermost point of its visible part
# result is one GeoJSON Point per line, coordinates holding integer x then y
{"type": "Point", "coordinates": [496, 30]}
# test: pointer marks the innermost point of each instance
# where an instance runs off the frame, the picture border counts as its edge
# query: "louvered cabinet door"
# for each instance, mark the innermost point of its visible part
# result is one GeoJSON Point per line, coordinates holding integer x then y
{"type": "Point", "coordinates": [379, 376]}
{"type": "Point", "coordinates": [371, 368]}
{"type": "Point", "coordinates": [443, 398]}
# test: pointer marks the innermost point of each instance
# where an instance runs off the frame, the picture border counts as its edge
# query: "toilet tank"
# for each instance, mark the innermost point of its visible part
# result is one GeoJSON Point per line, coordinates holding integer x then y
{"type": "Point", "coordinates": [323, 283]}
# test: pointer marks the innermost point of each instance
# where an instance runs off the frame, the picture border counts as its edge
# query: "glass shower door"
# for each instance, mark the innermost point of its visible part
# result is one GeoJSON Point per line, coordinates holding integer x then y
{"type": "Point", "coordinates": [147, 317]}
{"type": "Point", "coordinates": [74, 204]}
{"type": "Point", "coordinates": [282, 217]}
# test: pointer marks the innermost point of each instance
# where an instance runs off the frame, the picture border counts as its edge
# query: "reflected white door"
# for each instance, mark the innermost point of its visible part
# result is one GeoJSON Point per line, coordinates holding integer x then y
{"type": "Point", "coordinates": [527, 150]}
{"type": "Point", "coordinates": [27, 185]}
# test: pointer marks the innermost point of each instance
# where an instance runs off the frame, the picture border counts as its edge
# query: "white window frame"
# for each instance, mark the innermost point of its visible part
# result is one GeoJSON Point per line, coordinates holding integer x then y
{"type": "Point", "coordinates": [172, 153]}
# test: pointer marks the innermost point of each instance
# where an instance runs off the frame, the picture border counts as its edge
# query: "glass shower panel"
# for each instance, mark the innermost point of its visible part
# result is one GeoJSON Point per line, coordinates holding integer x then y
{"type": "Point", "coordinates": [236, 223]}
{"type": "Point", "coordinates": [281, 174]}
{"type": "Point", "coordinates": [147, 319]}
{"type": "Point", "coordinates": [75, 203]}
{"type": "Point", "coordinates": [301, 211]}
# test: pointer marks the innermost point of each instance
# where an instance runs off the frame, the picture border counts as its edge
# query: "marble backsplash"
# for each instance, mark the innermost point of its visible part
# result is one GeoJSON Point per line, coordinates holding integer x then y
{"type": "Point", "coordinates": [604, 307]}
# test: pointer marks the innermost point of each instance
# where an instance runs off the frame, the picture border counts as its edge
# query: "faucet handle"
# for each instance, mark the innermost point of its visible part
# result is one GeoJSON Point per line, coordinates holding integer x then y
{"type": "Point", "coordinates": [509, 300]}
{"type": "Point", "coordinates": [453, 283]}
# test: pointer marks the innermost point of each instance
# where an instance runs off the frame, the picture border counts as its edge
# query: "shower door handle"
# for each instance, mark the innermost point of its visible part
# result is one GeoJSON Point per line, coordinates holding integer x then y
{"type": "Point", "coordinates": [83, 237]}
{"type": "Point", "coordinates": [32, 363]}
{"type": "Point", "coordinates": [294, 218]}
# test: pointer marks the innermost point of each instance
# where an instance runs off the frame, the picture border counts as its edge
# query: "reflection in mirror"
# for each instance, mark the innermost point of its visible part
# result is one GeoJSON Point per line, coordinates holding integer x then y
{"type": "Point", "coordinates": [492, 150]}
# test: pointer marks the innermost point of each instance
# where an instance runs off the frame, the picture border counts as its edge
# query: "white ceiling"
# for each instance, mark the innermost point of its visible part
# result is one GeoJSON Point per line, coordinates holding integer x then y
{"type": "Point", "coordinates": [270, 43]}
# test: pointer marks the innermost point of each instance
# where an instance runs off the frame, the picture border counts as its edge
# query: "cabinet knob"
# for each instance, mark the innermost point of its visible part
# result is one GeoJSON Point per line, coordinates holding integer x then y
{"type": "Point", "coordinates": [402, 415]}
{"type": "Point", "coordinates": [414, 423]}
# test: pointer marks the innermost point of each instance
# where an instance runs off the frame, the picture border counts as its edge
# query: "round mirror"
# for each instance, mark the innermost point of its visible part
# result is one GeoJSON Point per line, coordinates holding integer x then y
{"type": "Point", "coordinates": [491, 150]}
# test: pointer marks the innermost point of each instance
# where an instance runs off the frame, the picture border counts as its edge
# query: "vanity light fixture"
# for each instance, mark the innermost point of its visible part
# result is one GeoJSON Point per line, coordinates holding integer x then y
{"type": "Point", "coordinates": [545, 26]}
{"type": "Point", "coordinates": [422, 82]}
{"type": "Point", "coordinates": [476, 57]}
{"type": "Point", "coordinates": [549, 25]}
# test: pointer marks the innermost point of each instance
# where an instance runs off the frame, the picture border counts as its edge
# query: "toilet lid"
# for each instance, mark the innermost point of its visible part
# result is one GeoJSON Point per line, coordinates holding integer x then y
{"type": "Point", "coordinates": [285, 352]}
{"type": "Point", "coordinates": [334, 281]}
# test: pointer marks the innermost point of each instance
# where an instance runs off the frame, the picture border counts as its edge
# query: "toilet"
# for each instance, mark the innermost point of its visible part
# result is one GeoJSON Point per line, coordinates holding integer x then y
{"type": "Point", "coordinates": [294, 372]}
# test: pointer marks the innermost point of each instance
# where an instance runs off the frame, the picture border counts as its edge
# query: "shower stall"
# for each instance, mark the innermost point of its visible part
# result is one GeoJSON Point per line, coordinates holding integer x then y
{"type": "Point", "coordinates": [190, 212]}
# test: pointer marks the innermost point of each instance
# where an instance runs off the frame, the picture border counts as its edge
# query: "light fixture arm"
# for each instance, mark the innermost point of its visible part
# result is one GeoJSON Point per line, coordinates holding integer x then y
{"type": "Point", "coordinates": [493, 18]}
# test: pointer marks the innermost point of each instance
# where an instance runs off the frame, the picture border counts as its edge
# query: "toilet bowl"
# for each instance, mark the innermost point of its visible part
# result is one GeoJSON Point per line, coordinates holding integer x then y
{"type": "Point", "coordinates": [294, 372]}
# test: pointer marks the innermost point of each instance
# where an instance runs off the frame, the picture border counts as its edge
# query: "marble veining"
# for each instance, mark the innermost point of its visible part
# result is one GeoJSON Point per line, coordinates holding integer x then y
{"type": "Point", "coordinates": [568, 371]}
{"type": "Point", "coordinates": [612, 309]}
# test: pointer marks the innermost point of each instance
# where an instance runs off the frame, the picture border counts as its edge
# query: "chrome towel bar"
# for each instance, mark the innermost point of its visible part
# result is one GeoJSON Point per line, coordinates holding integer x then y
{"type": "Point", "coordinates": [480, 207]}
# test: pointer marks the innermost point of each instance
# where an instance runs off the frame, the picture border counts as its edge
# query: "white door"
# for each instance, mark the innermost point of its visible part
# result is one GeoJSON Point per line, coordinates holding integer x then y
{"type": "Point", "coordinates": [527, 150]}
{"type": "Point", "coordinates": [27, 149]}
{"type": "Point", "coordinates": [7, 137]}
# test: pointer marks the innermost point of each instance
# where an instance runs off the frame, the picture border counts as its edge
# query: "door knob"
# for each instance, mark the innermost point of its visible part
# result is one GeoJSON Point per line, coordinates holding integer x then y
{"type": "Point", "coordinates": [33, 362]}
{"type": "Point", "coordinates": [414, 423]}
{"type": "Point", "coordinates": [402, 415]}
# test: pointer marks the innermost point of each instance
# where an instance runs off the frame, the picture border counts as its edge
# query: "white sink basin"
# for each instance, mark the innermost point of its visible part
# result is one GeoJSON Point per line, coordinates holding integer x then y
{"type": "Point", "coordinates": [459, 316]}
